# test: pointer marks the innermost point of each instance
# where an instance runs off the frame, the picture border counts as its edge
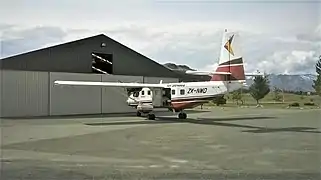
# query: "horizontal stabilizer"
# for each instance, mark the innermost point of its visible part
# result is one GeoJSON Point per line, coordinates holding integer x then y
{"type": "Point", "coordinates": [219, 73]}
{"type": "Point", "coordinates": [207, 73]}
{"type": "Point", "coordinates": [108, 84]}
{"type": "Point", "coordinates": [245, 85]}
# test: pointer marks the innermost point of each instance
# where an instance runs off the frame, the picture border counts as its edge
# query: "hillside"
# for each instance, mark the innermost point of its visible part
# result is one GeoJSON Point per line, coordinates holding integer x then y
{"type": "Point", "coordinates": [301, 82]}
{"type": "Point", "coordinates": [173, 66]}
{"type": "Point", "coordinates": [291, 82]}
{"type": "Point", "coordinates": [269, 102]}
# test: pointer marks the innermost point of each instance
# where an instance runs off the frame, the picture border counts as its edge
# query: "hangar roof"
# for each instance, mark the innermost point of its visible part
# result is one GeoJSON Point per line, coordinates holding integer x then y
{"type": "Point", "coordinates": [77, 57]}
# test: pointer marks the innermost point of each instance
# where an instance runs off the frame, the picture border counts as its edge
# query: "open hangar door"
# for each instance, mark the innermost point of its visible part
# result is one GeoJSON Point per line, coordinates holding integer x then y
{"type": "Point", "coordinates": [102, 63]}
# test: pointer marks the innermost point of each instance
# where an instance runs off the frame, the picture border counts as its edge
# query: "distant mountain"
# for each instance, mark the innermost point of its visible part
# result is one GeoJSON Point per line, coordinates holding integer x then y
{"type": "Point", "coordinates": [181, 69]}
{"type": "Point", "coordinates": [173, 66]}
{"type": "Point", "coordinates": [301, 82]}
{"type": "Point", "coordinates": [290, 82]}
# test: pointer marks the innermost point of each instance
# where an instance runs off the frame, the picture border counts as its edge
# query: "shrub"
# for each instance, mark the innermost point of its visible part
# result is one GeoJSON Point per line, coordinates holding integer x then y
{"type": "Point", "coordinates": [219, 100]}
{"type": "Point", "coordinates": [294, 104]}
{"type": "Point", "coordinates": [309, 104]}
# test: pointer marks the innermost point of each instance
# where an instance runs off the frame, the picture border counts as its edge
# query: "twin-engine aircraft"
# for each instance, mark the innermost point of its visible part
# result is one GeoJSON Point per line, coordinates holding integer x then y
{"type": "Point", "coordinates": [228, 76]}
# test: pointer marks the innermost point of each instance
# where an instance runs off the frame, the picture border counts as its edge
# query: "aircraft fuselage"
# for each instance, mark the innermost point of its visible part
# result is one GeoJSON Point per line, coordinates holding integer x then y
{"type": "Point", "coordinates": [187, 95]}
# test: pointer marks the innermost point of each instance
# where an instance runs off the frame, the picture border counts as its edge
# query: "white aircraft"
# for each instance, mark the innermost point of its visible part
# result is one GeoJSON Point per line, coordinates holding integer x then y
{"type": "Point", "coordinates": [177, 97]}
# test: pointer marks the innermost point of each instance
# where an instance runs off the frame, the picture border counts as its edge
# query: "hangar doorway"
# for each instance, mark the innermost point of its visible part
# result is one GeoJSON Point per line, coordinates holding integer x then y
{"type": "Point", "coordinates": [102, 63]}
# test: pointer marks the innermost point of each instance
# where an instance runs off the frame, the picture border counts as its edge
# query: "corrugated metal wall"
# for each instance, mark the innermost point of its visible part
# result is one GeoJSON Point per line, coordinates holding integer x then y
{"type": "Point", "coordinates": [26, 93]}
{"type": "Point", "coordinates": [69, 100]}
{"type": "Point", "coordinates": [1, 106]}
{"type": "Point", "coordinates": [158, 79]}
{"type": "Point", "coordinates": [114, 98]}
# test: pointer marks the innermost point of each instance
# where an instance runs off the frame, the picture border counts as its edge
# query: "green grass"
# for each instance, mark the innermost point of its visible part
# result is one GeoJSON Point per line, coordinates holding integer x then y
{"type": "Point", "coordinates": [268, 101]}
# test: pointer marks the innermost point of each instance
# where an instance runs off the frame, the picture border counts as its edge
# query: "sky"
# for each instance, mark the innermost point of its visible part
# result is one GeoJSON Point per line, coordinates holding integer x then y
{"type": "Point", "coordinates": [282, 37]}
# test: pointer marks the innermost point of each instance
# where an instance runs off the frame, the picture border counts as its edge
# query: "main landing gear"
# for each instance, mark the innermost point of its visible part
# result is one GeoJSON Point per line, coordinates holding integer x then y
{"type": "Point", "coordinates": [152, 116]}
{"type": "Point", "coordinates": [182, 115]}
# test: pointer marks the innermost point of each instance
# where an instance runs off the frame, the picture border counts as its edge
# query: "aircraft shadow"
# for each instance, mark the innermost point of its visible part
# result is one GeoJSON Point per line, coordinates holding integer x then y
{"type": "Point", "coordinates": [289, 129]}
{"type": "Point", "coordinates": [130, 114]}
{"type": "Point", "coordinates": [217, 122]}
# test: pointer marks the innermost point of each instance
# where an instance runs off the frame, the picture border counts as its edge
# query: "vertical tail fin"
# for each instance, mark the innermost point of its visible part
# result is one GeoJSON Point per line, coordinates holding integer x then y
{"type": "Point", "coordinates": [231, 60]}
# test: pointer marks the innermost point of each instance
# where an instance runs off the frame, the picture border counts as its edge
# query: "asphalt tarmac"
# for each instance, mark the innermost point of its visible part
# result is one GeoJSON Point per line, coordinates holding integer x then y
{"type": "Point", "coordinates": [231, 143]}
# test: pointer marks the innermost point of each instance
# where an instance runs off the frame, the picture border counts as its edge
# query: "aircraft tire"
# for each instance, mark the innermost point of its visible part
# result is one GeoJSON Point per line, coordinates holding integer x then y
{"type": "Point", "coordinates": [151, 116]}
{"type": "Point", "coordinates": [138, 114]}
{"type": "Point", "coordinates": [182, 116]}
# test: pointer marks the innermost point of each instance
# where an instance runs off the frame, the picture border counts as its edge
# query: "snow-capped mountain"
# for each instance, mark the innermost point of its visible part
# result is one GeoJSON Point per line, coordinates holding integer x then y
{"type": "Point", "coordinates": [176, 67]}
{"type": "Point", "coordinates": [301, 82]}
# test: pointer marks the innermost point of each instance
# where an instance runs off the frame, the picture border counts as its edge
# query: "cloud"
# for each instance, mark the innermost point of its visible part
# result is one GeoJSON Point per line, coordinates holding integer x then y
{"type": "Point", "coordinates": [211, 67]}
{"type": "Point", "coordinates": [290, 62]}
{"type": "Point", "coordinates": [196, 44]}
{"type": "Point", "coordinates": [17, 40]}
{"type": "Point", "coordinates": [314, 36]}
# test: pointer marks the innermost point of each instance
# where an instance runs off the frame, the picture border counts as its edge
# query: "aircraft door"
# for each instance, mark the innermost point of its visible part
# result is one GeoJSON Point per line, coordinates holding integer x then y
{"type": "Point", "coordinates": [166, 96]}
{"type": "Point", "coordinates": [157, 97]}
{"type": "Point", "coordinates": [161, 97]}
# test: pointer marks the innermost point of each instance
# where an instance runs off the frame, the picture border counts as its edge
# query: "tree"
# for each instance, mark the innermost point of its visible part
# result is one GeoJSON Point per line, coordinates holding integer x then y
{"type": "Point", "coordinates": [317, 83]}
{"type": "Point", "coordinates": [237, 95]}
{"type": "Point", "coordinates": [260, 88]}
{"type": "Point", "coordinates": [219, 100]}
{"type": "Point", "coordinates": [276, 94]}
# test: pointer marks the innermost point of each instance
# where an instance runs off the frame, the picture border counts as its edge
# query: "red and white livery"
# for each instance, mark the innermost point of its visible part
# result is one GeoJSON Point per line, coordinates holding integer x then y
{"type": "Point", "coordinates": [228, 76]}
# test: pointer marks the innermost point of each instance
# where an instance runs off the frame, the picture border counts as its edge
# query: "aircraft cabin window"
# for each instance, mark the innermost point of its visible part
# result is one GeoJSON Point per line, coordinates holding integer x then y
{"type": "Point", "coordinates": [148, 92]}
{"type": "Point", "coordinates": [182, 91]}
{"type": "Point", "coordinates": [173, 92]}
{"type": "Point", "coordinates": [143, 92]}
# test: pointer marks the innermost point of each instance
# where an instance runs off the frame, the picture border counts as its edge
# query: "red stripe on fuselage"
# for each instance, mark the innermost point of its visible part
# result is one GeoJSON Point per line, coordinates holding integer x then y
{"type": "Point", "coordinates": [191, 102]}
{"type": "Point", "coordinates": [186, 104]}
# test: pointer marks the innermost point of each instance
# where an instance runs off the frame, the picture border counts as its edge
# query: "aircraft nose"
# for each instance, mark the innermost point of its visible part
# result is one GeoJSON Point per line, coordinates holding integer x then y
{"type": "Point", "coordinates": [130, 101]}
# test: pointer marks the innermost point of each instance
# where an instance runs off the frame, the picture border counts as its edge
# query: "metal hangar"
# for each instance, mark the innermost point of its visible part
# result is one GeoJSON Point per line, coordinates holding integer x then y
{"type": "Point", "coordinates": [27, 79]}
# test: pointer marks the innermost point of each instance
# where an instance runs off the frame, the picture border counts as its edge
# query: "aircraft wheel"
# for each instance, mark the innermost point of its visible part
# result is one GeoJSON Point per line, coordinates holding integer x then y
{"type": "Point", "coordinates": [182, 115]}
{"type": "Point", "coordinates": [151, 116]}
{"type": "Point", "coordinates": [139, 114]}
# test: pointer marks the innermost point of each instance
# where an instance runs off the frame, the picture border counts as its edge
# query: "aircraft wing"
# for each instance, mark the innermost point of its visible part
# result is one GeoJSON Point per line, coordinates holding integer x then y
{"type": "Point", "coordinates": [109, 84]}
